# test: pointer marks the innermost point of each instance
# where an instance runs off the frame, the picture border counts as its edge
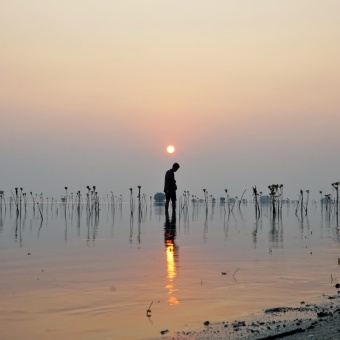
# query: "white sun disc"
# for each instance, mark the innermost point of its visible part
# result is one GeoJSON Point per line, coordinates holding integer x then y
{"type": "Point", "coordinates": [170, 149]}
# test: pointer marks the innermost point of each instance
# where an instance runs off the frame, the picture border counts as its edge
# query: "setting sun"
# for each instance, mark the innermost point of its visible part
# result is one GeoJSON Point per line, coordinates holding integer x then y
{"type": "Point", "coordinates": [170, 149]}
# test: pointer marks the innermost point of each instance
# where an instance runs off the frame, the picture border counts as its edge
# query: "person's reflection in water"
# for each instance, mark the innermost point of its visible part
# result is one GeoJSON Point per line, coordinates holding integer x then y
{"type": "Point", "coordinates": [171, 254]}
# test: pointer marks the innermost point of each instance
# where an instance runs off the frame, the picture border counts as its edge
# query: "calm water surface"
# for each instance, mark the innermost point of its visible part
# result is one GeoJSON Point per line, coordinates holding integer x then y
{"type": "Point", "coordinates": [81, 276]}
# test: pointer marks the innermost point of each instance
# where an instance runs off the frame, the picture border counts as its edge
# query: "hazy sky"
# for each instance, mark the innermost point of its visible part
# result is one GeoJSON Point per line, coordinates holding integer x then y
{"type": "Point", "coordinates": [92, 92]}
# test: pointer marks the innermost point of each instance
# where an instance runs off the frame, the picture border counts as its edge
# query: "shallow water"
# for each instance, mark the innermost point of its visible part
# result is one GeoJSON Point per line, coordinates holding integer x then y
{"type": "Point", "coordinates": [76, 276]}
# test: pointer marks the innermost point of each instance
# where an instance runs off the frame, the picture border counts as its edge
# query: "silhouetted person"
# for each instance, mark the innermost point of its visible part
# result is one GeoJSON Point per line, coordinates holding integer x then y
{"type": "Point", "coordinates": [170, 187]}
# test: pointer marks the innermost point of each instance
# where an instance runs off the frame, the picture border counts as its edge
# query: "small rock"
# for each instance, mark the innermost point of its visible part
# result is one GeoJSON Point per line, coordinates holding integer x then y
{"type": "Point", "coordinates": [323, 314]}
{"type": "Point", "coordinates": [165, 331]}
{"type": "Point", "coordinates": [206, 323]}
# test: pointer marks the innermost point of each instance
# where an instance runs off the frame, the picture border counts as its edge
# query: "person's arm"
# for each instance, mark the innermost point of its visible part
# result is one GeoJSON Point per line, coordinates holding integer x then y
{"type": "Point", "coordinates": [172, 181]}
{"type": "Point", "coordinates": [167, 181]}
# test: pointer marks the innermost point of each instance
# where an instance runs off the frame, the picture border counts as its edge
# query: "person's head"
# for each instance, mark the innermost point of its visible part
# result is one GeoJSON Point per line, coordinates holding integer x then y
{"type": "Point", "coordinates": [175, 167]}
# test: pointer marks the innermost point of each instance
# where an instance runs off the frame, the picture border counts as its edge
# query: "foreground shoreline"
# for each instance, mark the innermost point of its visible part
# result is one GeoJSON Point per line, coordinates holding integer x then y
{"type": "Point", "coordinates": [319, 320]}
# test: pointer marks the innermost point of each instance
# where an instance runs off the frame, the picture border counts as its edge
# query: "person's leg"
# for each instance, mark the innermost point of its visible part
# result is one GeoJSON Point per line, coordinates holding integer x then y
{"type": "Point", "coordinates": [173, 200]}
{"type": "Point", "coordinates": [173, 205]}
{"type": "Point", "coordinates": [167, 200]}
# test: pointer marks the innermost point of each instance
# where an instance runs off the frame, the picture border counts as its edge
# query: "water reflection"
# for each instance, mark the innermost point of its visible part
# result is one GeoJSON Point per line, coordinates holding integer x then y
{"type": "Point", "coordinates": [73, 220]}
{"type": "Point", "coordinates": [171, 255]}
{"type": "Point", "coordinates": [276, 232]}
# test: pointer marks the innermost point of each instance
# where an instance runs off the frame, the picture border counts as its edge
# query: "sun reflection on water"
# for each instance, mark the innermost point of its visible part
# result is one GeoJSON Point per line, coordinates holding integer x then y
{"type": "Point", "coordinates": [171, 256]}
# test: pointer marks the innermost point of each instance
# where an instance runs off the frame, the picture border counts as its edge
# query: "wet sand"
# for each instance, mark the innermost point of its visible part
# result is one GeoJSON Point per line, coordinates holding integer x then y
{"type": "Point", "coordinates": [308, 321]}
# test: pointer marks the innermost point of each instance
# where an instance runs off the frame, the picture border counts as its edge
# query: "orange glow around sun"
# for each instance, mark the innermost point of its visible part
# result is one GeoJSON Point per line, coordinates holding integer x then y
{"type": "Point", "coordinates": [170, 149]}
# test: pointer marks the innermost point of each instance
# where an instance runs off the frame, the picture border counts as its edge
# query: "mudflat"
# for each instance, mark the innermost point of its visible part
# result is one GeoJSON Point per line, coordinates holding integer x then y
{"type": "Point", "coordinates": [308, 321]}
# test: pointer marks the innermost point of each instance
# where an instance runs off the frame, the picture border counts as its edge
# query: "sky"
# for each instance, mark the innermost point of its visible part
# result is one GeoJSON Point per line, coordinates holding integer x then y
{"type": "Point", "coordinates": [92, 93]}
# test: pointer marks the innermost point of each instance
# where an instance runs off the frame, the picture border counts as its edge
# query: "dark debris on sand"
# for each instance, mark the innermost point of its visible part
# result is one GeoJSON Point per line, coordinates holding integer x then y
{"type": "Point", "coordinates": [290, 323]}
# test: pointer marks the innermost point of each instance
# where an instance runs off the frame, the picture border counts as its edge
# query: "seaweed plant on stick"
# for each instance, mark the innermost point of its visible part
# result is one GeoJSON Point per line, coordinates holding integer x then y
{"type": "Point", "coordinates": [132, 203]}
{"type": "Point", "coordinates": [302, 204]}
{"type": "Point", "coordinates": [275, 194]}
{"type": "Point", "coordinates": [2, 199]}
{"type": "Point", "coordinates": [256, 195]}
{"type": "Point", "coordinates": [330, 202]}
{"type": "Point", "coordinates": [335, 186]}
{"type": "Point", "coordinates": [206, 198]}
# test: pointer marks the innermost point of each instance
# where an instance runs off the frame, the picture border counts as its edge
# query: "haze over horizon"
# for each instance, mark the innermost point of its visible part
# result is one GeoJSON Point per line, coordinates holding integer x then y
{"type": "Point", "coordinates": [92, 93]}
